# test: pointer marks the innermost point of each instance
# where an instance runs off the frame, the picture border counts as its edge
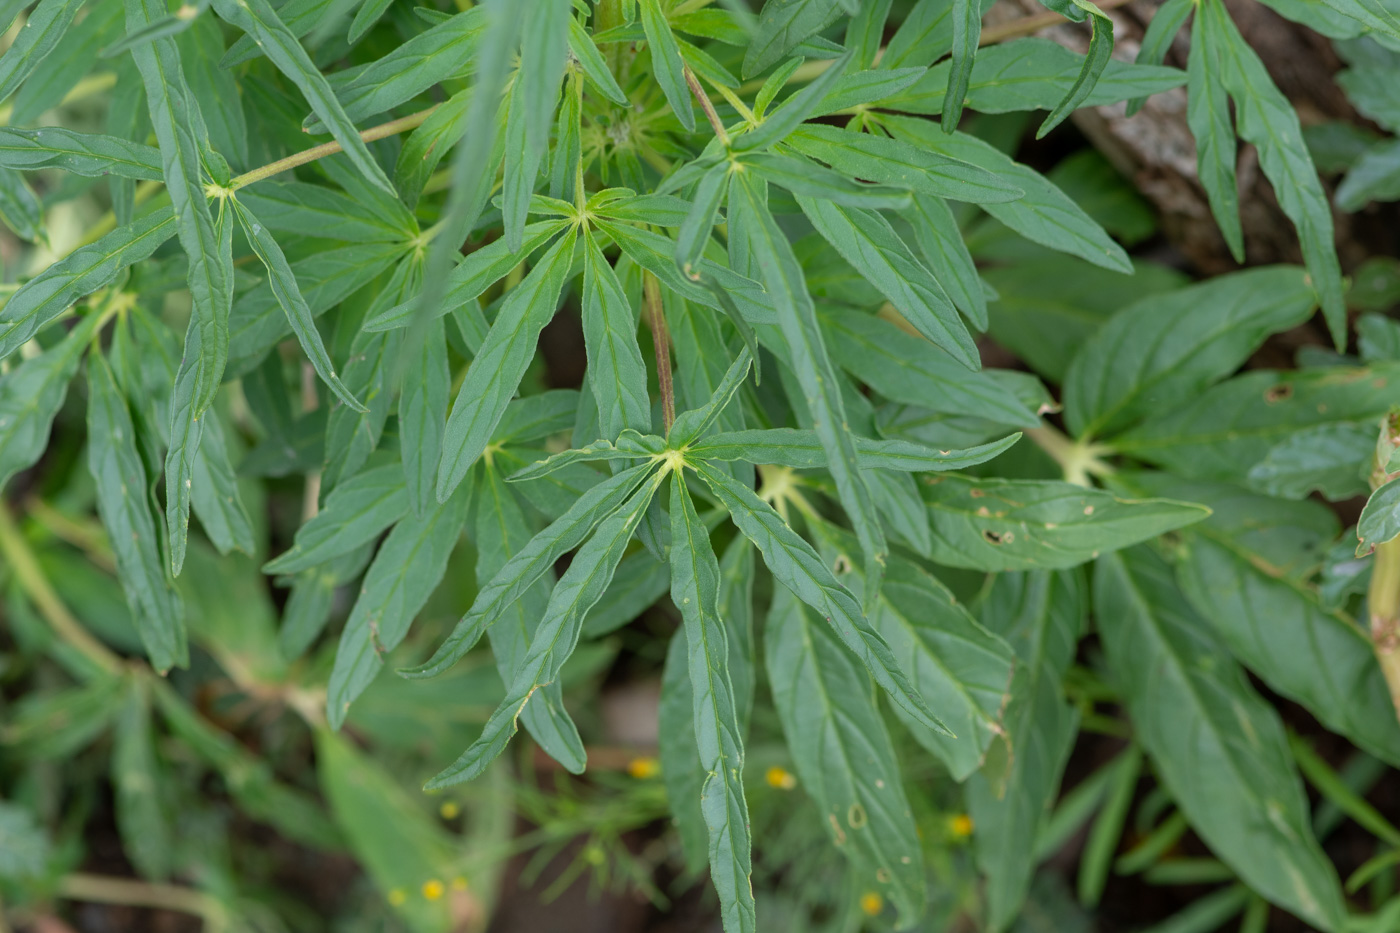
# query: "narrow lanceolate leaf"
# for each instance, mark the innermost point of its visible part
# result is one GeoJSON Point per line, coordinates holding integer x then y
{"type": "Point", "coordinates": [81, 272]}
{"type": "Point", "coordinates": [284, 286]}
{"type": "Point", "coordinates": [843, 755]}
{"type": "Point", "coordinates": [126, 513]}
{"type": "Point", "coordinates": [1166, 348]}
{"type": "Point", "coordinates": [410, 564]}
{"type": "Point", "coordinates": [20, 209]}
{"type": "Point", "coordinates": [141, 805]}
{"type": "Point", "coordinates": [524, 568]}
{"type": "Point", "coordinates": [90, 154]}
{"type": "Point", "coordinates": [594, 66]}
{"type": "Point", "coordinates": [793, 111]}
{"type": "Point", "coordinates": [967, 30]}
{"type": "Point", "coordinates": [897, 163]}
{"type": "Point", "coordinates": [1268, 120]}
{"type": "Point", "coordinates": [802, 449]}
{"type": "Point", "coordinates": [544, 51]}
{"type": "Point", "coordinates": [423, 399]}
{"type": "Point", "coordinates": [630, 446]}
{"type": "Point", "coordinates": [183, 140]}
{"type": "Point", "coordinates": [782, 276]}
{"type": "Point", "coordinates": [1208, 115]}
{"type": "Point", "coordinates": [1004, 524]}
{"type": "Point", "coordinates": [356, 511]}
{"type": "Point", "coordinates": [214, 494]}
{"type": "Point", "coordinates": [1095, 61]}
{"type": "Point", "coordinates": [692, 424]}
{"type": "Point", "coordinates": [679, 755]}
{"type": "Point", "coordinates": [1380, 519]}
{"type": "Point", "coordinates": [803, 176]}
{"type": "Point", "coordinates": [1245, 570]}
{"type": "Point", "coordinates": [1167, 21]}
{"type": "Point", "coordinates": [1216, 745]}
{"type": "Point", "coordinates": [42, 32]}
{"type": "Point", "coordinates": [1041, 615]}
{"type": "Point", "coordinates": [798, 567]}
{"type": "Point", "coordinates": [498, 366]}
{"type": "Point", "coordinates": [784, 26]}
{"type": "Point", "coordinates": [666, 60]}
{"type": "Point", "coordinates": [618, 376]}
{"type": "Point", "coordinates": [581, 586]}
{"type": "Point", "coordinates": [260, 21]}
{"type": "Point", "coordinates": [867, 241]}
{"type": "Point", "coordinates": [31, 395]}
{"type": "Point", "coordinates": [695, 591]}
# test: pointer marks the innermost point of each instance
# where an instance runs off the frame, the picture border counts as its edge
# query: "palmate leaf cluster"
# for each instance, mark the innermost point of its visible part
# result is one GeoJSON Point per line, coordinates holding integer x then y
{"type": "Point", "coordinates": [811, 209]}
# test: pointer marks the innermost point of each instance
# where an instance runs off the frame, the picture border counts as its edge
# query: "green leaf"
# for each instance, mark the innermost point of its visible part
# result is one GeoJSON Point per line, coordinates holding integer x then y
{"type": "Point", "coordinates": [905, 368]}
{"type": "Point", "coordinates": [1157, 40]}
{"type": "Point", "coordinates": [1006, 524]}
{"type": "Point", "coordinates": [498, 366]}
{"type": "Point", "coordinates": [802, 449]}
{"type": "Point", "coordinates": [1044, 214]}
{"type": "Point", "coordinates": [214, 493]}
{"type": "Point", "coordinates": [1217, 747]}
{"type": "Point", "coordinates": [90, 154]}
{"type": "Point", "coordinates": [782, 275]}
{"type": "Point", "coordinates": [594, 67]}
{"type": "Point", "coordinates": [1226, 430]}
{"type": "Point", "coordinates": [260, 21]}
{"type": "Point", "coordinates": [940, 242]}
{"type": "Point", "coordinates": [805, 177]}
{"type": "Point", "coordinates": [1208, 115]}
{"type": "Point", "coordinates": [902, 165]}
{"type": "Point", "coordinates": [1095, 61]}
{"type": "Point", "coordinates": [284, 286]}
{"type": "Point", "coordinates": [31, 395]}
{"type": "Point", "coordinates": [1041, 615]}
{"type": "Point", "coordinates": [543, 55]}
{"type": "Point", "coordinates": [120, 476]}
{"type": "Point", "coordinates": [1380, 519]}
{"type": "Point", "coordinates": [618, 374]}
{"type": "Point", "coordinates": [1165, 349]}
{"type": "Point", "coordinates": [669, 70]}
{"type": "Point", "coordinates": [318, 211]}
{"type": "Point", "coordinates": [526, 566]}
{"type": "Point", "coordinates": [782, 27]}
{"type": "Point", "coordinates": [356, 511]}
{"type": "Point", "coordinates": [691, 425]}
{"type": "Point", "coordinates": [409, 566]}
{"type": "Point", "coordinates": [843, 755]}
{"type": "Point", "coordinates": [143, 819]}
{"type": "Point", "coordinates": [422, 411]}
{"type": "Point", "coordinates": [1268, 120]}
{"type": "Point", "coordinates": [1331, 459]}
{"type": "Point", "coordinates": [215, 89]}
{"type": "Point", "coordinates": [581, 586]}
{"type": "Point", "coordinates": [796, 566]}
{"type": "Point", "coordinates": [798, 108]}
{"type": "Point", "coordinates": [20, 209]}
{"type": "Point", "coordinates": [868, 242]}
{"type": "Point", "coordinates": [678, 751]}
{"type": "Point", "coordinates": [351, 436]}
{"type": "Point", "coordinates": [1107, 830]}
{"type": "Point", "coordinates": [43, 30]}
{"type": "Point", "coordinates": [695, 589]}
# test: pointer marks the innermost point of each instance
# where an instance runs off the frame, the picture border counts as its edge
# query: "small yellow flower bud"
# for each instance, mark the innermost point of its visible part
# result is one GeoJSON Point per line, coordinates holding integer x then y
{"type": "Point", "coordinates": [397, 897]}
{"type": "Point", "coordinates": [871, 903]}
{"type": "Point", "coordinates": [449, 810]}
{"type": "Point", "coordinates": [433, 889]}
{"type": "Point", "coordinates": [961, 825]}
{"type": "Point", "coordinates": [780, 778]}
{"type": "Point", "coordinates": [643, 768]}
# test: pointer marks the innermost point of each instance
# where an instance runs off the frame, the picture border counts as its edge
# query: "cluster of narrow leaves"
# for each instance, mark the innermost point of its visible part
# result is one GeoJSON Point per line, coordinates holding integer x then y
{"type": "Point", "coordinates": [817, 253]}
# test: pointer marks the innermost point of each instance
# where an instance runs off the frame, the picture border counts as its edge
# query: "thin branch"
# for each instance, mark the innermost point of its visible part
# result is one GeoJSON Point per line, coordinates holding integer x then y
{"type": "Point", "coordinates": [392, 128]}
{"type": "Point", "coordinates": [103, 890]}
{"type": "Point", "coordinates": [661, 337]}
{"type": "Point", "coordinates": [708, 106]}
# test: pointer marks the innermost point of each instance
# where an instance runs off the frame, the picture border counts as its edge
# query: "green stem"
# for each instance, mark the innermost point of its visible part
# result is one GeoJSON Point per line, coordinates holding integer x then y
{"type": "Point", "coordinates": [1383, 606]}
{"type": "Point", "coordinates": [1079, 460]}
{"type": "Point", "coordinates": [661, 338]}
{"type": "Point", "coordinates": [392, 128]}
{"type": "Point", "coordinates": [103, 890]}
{"type": "Point", "coordinates": [708, 106]}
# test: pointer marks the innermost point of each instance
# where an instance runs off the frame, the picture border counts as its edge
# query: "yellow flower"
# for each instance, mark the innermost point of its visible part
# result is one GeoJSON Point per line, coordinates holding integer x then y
{"type": "Point", "coordinates": [449, 810]}
{"type": "Point", "coordinates": [433, 889]}
{"type": "Point", "coordinates": [643, 768]}
{"type": "Point", "coordinates": [872, 903]}
{"type": "Point", "coordinates": [961, 825]}
{"type": "Point", "coordinates": [780, 778]}
{"type": "Point", "coordinates": [397, 897]}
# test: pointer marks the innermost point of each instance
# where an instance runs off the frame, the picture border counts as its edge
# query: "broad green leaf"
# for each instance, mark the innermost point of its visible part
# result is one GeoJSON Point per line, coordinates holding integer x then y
{"type": "Point", "coordinates": [618, 374]}
{"type": "Point", "coordinates": [260, 21]}
{"type": "Point", "coordinates": [1043, 214]}
{"type": "Point", "coordinates": [81, 272]}
{"type": "Point", "coordinates": [898, 163]}
{"type": "Point", "coordinates": [422, 411]}
{"type": "Point", "coordinates": [1268, 120]}
{"type": "Point", "coordinates": [782, 27]}
{"type": "Point", "coordinates": [43, 31]}
{"type": "Point", "coordinates": [498, 366]}
{"type": "Point", "coordinates": [1208, 115]}
{"type": "Point", "coordinates": [1226, 430]}
{"type": "Point", "coordinates": [318, 211]}
{"type": "Point", "coordinates": [184, 143]}
{"type": "Point", "coordinates": [695, 579]}
{"type": "Point", "coordinates": [1374, 177]}
{"type": "Point", "coordinates": [31, 395]}
{"type": "Point", "coordinates": [126, 513]}
{"type": "Point", "coordinates": [797, 567]}
{"type": "Point", "coordinates": [868, 242]}
{"type": "Point", "coordinates": [141, 809]}
{"type": "Point", "coordinates": [1331, 459]}
{"type": "Point", "coordinates": [843, 755]}
{"type": "Point", "coordinates": [577, 590]}
{"type": "Point", "coordinates": [525, 567]}
{"type": "Point", "coordinates": [1380, 519]}
{"type": "Point", "coordinates": [407, 569]}
{"type": "Point", "coordinates": [356, 511]}
{"type": "Point", "coordinates": [284, 286]}
{"type": "Point", "coordinates": [906, 368]}
{"type": "Point", "coordinates": [1007, 524]}
{"type": "Point", "coordinates": [805, 177]}
{"type": "Point", "coordinates": [1219, 749]}
{"type": "Point", "coordinates": [802, 449]}
{"type": "Point", "coordinates": [90, 154]}
{"type": "Point", "coordinates": [668, 69]}
{"type": "Point", "coordinates": [1165, 349]}
{"type": "Point", "coordinates": [782, 276]}
{"type": "Point", "coordinates": [960, 668]}
{"type": "Point", "coordinates": [1041, 615]}
{"type": "Point", "coordinates": [1245, 570]}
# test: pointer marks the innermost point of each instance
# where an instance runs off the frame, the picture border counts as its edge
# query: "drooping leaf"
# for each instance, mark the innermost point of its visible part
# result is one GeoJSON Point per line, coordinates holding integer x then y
{"type": "Point", "coordinates": [31, 395]}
